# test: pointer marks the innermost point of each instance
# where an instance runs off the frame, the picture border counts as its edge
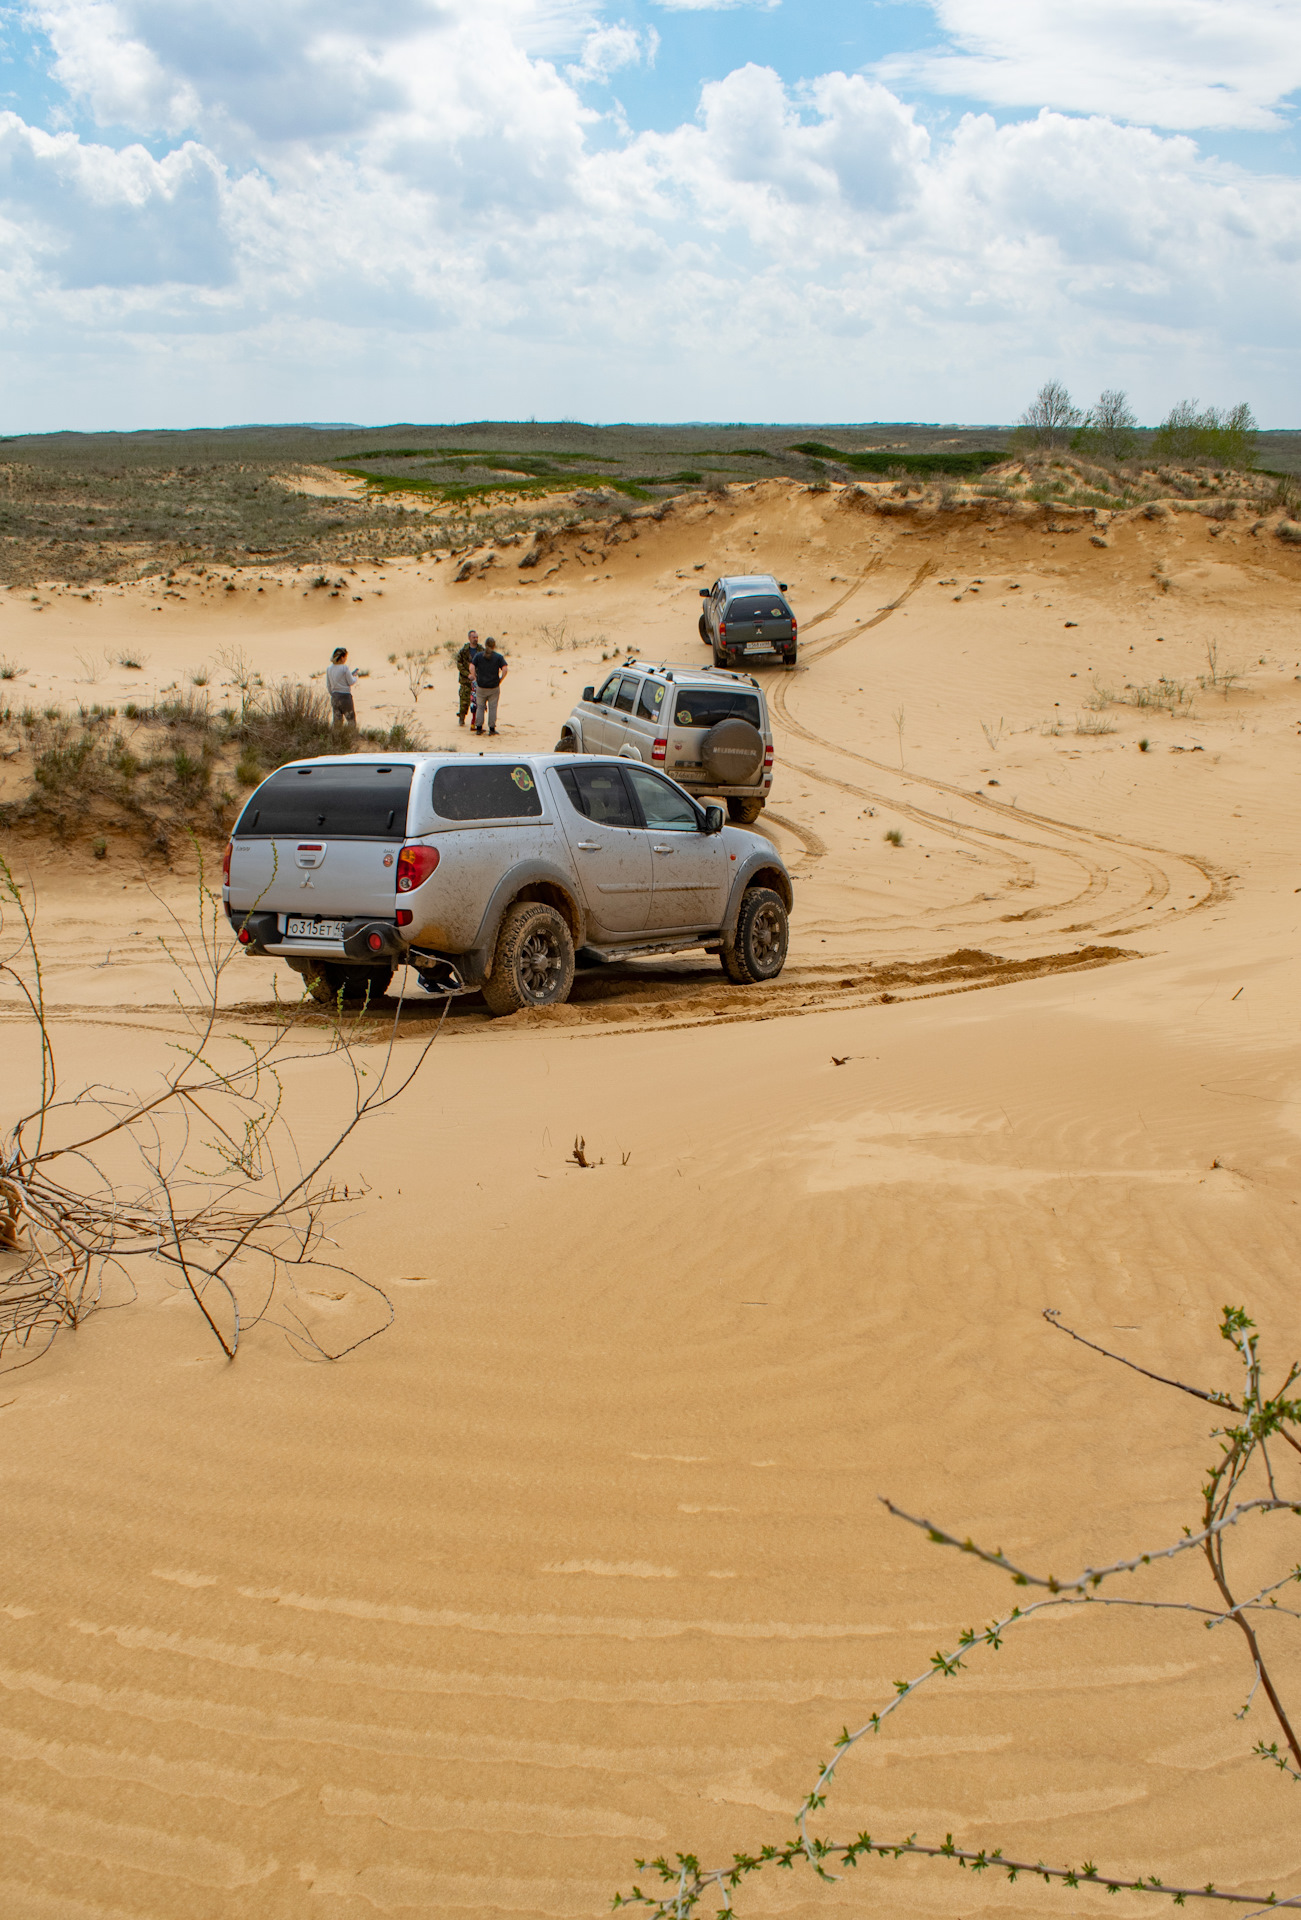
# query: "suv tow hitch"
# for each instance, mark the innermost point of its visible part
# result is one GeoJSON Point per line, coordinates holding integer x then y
{"type": "Point", "coordinates": [437, 975]}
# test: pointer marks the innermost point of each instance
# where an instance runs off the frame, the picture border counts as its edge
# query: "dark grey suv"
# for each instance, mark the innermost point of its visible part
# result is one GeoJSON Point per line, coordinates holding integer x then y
{"type": "Point", "coordinates": [746, 614]}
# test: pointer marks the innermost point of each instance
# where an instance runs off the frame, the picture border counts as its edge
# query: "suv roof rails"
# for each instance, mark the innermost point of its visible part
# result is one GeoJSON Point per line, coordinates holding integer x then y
{"type": "Point", "coordinates": [667, 673]}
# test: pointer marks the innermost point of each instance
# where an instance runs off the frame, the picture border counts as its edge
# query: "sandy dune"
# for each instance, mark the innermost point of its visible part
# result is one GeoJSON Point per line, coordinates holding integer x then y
{"type": "Point", "coordinates": [583, 1559]}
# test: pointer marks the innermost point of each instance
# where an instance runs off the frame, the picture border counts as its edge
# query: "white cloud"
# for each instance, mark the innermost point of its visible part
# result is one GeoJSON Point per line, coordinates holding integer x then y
{"type": "Point", "coordinates": [1164, 63]}
{"type": "Point", "coordinates": [429, 220]}
{"type": "Point", "coordinates": [714, 6]}
{"type": "Point", "coordinates": [607, 49]}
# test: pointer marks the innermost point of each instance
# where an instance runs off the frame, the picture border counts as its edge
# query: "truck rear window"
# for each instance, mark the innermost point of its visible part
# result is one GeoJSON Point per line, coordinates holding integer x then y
{"type": "Point", "coordinates": [756, 609]}
{"type": "Point", "coordinates": [341, 799]}
{"type": "Point", "coordinates": [706, 706]}
{"type": "Point", "coordinates": [486, 793]}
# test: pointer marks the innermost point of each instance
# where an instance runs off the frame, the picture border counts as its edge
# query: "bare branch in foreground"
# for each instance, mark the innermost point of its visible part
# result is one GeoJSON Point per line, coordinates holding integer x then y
{"type": "Point", "coordinates": [1262, 1417]}
{"type": "Point", "coordinates": [198, 1171]}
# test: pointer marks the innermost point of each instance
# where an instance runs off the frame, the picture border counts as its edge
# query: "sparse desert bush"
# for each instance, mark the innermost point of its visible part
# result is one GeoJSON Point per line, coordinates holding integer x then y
{"type": "Point", "coordinates": [1169, 695]}
{"type": "Point", "coordinates": [894, 837]}
{"type": "Point", "coordinates": [1092, 724]}
{"type": "Point", "coordinates": [1289, 530]}
{"type": "Point", "coordinates": [416, 662]}
{"type": "Point", "coordinates": [1217, 676]}
{"type": "Point", "coordinates": [167, 778]}
{"type": "Point", "coordinates": [9, 669]}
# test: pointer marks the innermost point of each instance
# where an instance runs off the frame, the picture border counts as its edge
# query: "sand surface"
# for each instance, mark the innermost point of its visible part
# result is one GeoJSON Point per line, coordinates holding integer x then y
{"type": "Point", "coordinates": [583, 1559]}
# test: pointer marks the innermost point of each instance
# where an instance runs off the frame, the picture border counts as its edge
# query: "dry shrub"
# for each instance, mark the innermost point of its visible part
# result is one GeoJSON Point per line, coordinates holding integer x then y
{"type": "Point", "coordinates": [167, 772]}
{"type": "Point", "coordinates": [196, 1170]}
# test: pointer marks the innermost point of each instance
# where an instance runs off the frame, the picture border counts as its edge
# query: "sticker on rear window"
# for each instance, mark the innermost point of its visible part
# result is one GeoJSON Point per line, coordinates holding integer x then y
{"type": "Point", "coordinates": [684, 718]}
{"type": "Point", "coordinates": [523, 779]}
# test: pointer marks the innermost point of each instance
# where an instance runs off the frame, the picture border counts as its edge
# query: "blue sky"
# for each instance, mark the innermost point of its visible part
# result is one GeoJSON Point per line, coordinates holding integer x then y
{"type": "Point", "coordinates": [217, 210]}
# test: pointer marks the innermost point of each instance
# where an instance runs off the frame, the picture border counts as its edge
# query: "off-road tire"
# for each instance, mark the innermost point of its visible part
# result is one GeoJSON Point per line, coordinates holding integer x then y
{"type": "Point", "coordinates": [757, 949]}
{"type": "Point", "coordinates": [566, 743]}
{"type": "Point", "coordinates": [327, 981]}
{"type": "Point", "coordinates": [744, 812]}
{"type": "Point", "coordinates": [703, 629]}
{"type": "Point", "coordinates": [534, 962]}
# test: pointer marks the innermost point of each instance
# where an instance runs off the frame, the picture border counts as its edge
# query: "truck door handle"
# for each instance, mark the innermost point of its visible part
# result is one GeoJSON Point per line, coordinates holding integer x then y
{"type": "Point", "coordinates": [662, 849]}
{"type": "Point", "coordinates": [590, 846]}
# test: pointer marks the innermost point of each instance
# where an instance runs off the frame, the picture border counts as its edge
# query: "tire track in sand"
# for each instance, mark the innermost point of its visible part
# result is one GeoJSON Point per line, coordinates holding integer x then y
{"type": "Point", "coordinates": [1142, 881]}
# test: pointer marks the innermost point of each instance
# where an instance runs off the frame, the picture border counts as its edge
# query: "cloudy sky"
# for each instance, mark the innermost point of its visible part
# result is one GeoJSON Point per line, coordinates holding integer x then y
{"type": "Point", "coordinates": [215, 211]}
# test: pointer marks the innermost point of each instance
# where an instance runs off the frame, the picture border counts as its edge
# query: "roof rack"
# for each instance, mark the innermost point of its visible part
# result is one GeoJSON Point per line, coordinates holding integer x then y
{"type": "Point", "coordinates": [721, 673]}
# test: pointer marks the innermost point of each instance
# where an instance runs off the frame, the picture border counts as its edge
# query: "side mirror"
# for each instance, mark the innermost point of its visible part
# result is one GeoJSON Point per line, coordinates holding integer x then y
{"type": "Point", "coordinates": [782, 585]}
{"type": "Point", "coordinates": [589, 693]}
{"type": "Point", "coordinates": [714, 819]}
{"type": "Point", "coordinates": [704, 593]}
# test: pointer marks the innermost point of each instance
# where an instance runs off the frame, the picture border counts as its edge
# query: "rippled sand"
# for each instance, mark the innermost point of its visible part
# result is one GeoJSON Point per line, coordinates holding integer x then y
{"type": "Point", "coordinates": [583, 1560]}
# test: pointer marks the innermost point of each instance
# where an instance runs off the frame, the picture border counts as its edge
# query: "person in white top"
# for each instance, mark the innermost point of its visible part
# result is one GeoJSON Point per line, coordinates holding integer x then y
{"type": "Point", "coordinates": [340, 678]}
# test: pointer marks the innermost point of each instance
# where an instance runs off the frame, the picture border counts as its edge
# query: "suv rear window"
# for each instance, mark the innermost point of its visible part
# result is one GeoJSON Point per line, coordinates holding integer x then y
{"type": "Point", "coordinates": [486, 793]}
{"type": "Point", "coordinates": [706, 706]}
{"type": "Point", "coordinates": [344, 800]}
{"type": "Point", "coordinates": [758, 609]}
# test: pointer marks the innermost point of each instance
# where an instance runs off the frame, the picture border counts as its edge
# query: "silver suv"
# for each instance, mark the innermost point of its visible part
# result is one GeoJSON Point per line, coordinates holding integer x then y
{"type": "Point", "coordinates": [491, 873]}
{"type": "Point", "coordinates": [708, 729]}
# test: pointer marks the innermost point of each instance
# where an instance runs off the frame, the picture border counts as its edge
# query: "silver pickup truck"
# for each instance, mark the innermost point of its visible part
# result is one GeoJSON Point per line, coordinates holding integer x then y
{"type": "Point", "coordinates": [491, 873]}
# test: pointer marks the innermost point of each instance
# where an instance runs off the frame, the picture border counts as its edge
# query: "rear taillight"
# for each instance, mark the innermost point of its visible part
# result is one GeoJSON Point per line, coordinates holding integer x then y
{"type": "Point", "coordinates": [722, 629]}
{"type": "Point", "coordinates": [415, 864]}
{"type": "Point", "coordinates": [244, 936]}
{"type": "Point", "coordinates": [658, 751]}
{"type": "Point", "coordinates": [225, 865]}
{"type": "Point", "coordinates": [767, 756]}
{"type": "Point", "coordinates": [405, 916]}
{"type": "Point", "coordinates": [795, 626]}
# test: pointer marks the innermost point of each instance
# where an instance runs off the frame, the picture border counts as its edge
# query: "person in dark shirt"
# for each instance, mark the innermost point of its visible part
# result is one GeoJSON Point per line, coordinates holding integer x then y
{"type": "Point", "coordinates": [489, 668]}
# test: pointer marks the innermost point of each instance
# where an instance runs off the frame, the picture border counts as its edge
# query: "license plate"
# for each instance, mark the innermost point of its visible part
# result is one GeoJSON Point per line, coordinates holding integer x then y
{"type": "Point", "coordinates": [315, 929]}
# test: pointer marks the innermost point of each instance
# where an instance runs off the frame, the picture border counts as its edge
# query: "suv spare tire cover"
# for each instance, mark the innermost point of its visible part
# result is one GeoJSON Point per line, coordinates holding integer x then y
{"type": "Point", "coordinates": [732, 752]}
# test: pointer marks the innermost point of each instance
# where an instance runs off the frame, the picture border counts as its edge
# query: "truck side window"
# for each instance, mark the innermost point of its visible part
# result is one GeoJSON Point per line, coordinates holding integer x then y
{"type": "Point", "coordinates": [652, 699]}
{"type": "Point", "coordinates": [599, 794]}
{"type": "Point", "coordinates": [607, 694]}
{"type": "Point", "coordinates": [626, 694]}
{"type": "Point", "coordinates": [665, 809]}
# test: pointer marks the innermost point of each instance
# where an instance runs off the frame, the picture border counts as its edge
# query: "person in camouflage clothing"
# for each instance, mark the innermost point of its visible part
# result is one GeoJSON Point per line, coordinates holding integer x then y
{"type": "Point", "coordinates": [466, 684]}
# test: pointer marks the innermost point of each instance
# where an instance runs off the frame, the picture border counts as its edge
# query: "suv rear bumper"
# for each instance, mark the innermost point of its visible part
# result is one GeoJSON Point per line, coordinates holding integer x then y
{"type": "Point", "coordinates": [265, 937]}
{"type": "Point", "coordinates": [682, 778]}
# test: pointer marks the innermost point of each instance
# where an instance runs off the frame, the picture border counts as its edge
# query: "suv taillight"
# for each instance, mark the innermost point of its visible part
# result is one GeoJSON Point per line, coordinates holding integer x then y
{"type": "Point", "coordinates": [415, 864]}
{"type": "Point", "coordinates": [722, 629]}
{"type": "Point", "coordinates": [795, 626]}
{"type": "Point", "coordinates": [767, 756]}
{"type": "Point", "coordinates": [658, 751]}
{"type": "Point", "coordinates": [225, 864]}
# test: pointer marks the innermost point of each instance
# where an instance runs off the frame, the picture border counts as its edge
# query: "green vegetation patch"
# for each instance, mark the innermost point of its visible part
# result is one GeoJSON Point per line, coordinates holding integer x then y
{"type": "Point", "coordinates": [887, 459]}
{"type": "Point", "coordinates": [453, 492]}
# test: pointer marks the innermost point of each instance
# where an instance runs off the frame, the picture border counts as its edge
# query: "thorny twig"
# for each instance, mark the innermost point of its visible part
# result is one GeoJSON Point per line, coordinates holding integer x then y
{"type": "Point", "coordinates": [1262, 1418]}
